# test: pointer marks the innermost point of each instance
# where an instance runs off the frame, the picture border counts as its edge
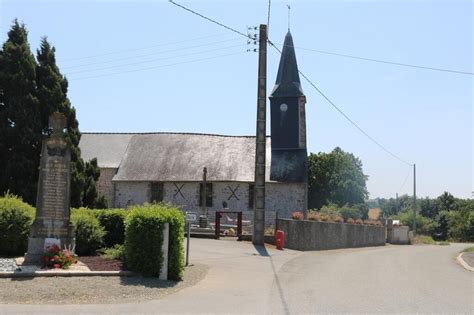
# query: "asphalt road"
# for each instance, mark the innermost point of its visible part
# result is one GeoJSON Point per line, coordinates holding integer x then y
{"type": "Point", "coordinates": [248, 280]}
{"type": "Point", "coordinates": [391, 279]}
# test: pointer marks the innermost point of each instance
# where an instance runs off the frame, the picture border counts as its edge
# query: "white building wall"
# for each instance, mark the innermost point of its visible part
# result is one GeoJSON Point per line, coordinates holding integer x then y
{"type": "Point", "coordinates": [283, 198]}
{"type": "Point", "coordinates": [131, 193]}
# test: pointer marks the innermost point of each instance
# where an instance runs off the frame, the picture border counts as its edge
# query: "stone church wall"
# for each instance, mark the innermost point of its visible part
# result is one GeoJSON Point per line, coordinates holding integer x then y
{"type": "Point", "coordinates": [283, 198]}
{"type": "Point", "coordinates": [105, 186]}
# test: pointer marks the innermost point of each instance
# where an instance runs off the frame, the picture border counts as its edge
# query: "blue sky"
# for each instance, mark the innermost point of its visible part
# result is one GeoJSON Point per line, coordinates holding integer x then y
{"type": "Point", "coordinates": [207, 82]}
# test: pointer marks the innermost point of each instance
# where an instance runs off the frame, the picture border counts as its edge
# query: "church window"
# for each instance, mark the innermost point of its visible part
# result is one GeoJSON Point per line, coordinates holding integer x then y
{"type": "Point", "coordinates": [156, 192]}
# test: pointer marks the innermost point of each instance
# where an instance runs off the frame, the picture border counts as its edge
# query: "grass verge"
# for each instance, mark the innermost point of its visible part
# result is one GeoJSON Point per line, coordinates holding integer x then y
{"type": "Point", "coordinates": [469, 249]}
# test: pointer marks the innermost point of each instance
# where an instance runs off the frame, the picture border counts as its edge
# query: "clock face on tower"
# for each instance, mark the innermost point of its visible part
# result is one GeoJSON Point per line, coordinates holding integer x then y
{"type": "Point", "coordinates": [285, 122]}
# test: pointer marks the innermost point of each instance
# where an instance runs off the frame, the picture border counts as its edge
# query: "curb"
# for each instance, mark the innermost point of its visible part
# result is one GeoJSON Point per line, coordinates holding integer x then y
{"type": "Point", "coordinates": [16, 274]}
{"type": "Point", "coordinates": [463, 263]}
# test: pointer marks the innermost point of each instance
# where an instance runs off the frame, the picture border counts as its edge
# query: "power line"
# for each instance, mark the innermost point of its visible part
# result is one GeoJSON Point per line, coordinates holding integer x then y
{"type": "Point", "coordinates": [153, 60]}
{"type": "Point", "coordinates": [141, 48]}
{"type": "Point", "coordinates": [150, 54]}
{"type": "Point", "coordinates": [383, 61]}
{"type": "Point", "coordinates": [155, 67]}
{"type": "Point", "coordinates": [210, 20]}
{"type": "Point", "coordinates": [307, 79]}
{"type": "Point", "coordinates": [346, 116]}
{"type": "Point", "coordinates": [405, 180]}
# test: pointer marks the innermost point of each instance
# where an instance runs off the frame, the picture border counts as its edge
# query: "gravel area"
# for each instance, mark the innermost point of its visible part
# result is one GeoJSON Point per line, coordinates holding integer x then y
{"type": "Point", "coordinates": [93, 290]}
{"type": "Point", "coordinates": [8, 264]}
{"type": "Point", "coordinates": [469, 258]}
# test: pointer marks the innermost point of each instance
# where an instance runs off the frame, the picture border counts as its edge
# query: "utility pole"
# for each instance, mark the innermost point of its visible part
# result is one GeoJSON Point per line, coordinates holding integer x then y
{"type": "Point", "coordinates": [260, 141]}
{"type": "Point", "coordinates": [414, 199]}
{"type": "Point", "coordinates": [396, 203]}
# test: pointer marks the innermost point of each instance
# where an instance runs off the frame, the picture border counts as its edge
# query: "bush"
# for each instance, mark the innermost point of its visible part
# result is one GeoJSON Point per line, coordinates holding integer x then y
{"type": "Point", "coordinates": [350, 221]}
{"type": "Point", "coordinates": [461, 224]}
{"type": "Point", "coordinates": [16, 217]}
{"type": "Point", "coordinates": [330, 210]}
{"type": "Point", "coordinates": [350, 212]}
{"type": "Point", "coordinates": [89, 233]}
{"type": "Point", "coordinates": [314, 216]}
{"type": "Point", "coordinates": [424, 225]}
{"type": "Point", "coordinates": [113, 221]}
{"type": "Point", "coordinates": [114, 253]}
{"type": "Point", "coordinates": [144, 238]}
{"type": "Point", "coordinates": [359, 221]}
{"type": "Point", "coordinates": [424, 239]}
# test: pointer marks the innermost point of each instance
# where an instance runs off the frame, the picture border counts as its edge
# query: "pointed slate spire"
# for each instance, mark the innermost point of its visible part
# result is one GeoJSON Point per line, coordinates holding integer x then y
{"type": "Point", "coordinates": [288, 79]}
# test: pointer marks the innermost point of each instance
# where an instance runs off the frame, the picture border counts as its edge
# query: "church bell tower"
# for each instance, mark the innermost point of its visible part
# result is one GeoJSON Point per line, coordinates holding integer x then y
{"type": "Point", "coordinates": [288, 120]}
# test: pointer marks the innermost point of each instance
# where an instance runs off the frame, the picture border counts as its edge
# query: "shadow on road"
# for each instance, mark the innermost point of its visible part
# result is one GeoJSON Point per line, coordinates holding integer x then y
{"type": "Point", "coordinates": [264, 253]}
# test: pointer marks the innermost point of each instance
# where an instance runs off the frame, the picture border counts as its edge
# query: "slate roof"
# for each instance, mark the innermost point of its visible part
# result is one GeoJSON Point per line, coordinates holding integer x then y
{"type": "Point", "coordinates": [108, 148]}
{"type": "Point", "coordinates": [288, 79]}
{"type": "Point", "coordinates": [175, 156]}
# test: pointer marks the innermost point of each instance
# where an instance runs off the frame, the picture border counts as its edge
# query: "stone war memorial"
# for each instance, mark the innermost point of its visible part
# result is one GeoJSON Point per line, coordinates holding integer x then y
{"type": "Point", "coordinates": [52, 224]}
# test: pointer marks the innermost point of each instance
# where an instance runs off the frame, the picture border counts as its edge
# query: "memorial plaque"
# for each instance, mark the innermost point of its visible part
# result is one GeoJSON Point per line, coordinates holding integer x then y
{"type": "Point", "coordinates": [52, 224]}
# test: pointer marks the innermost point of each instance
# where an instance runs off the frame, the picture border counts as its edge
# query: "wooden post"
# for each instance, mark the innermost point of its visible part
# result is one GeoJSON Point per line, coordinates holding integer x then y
{"type": "Point", "coordinates": [261, 138]}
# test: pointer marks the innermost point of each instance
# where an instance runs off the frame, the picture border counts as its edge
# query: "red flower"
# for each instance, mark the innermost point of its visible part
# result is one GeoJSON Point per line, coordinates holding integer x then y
{"type": "Point", "coordinates": [57, 266]}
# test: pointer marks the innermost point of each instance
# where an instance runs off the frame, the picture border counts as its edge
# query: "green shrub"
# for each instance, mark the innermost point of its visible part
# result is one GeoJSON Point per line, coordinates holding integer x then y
{"type": "Point", "coordinates": [424, 239]}
{"type": "Point", "coordinates": [16, 217]}
{"type": "Point", "coordinates": [461, 224]}
{"type": "Point", "coordinates": [88, 231]}
{"type": "Point", "coordinates": [330, 210]}
{"type": "Point", "coordinates": [144, 238]}
{"type": "Point", "coordinates": [350, 212]}
{"type": "Point", "coordinates": [113, 221]}
{"type": "Point", "coordinates": [114, 253]}
{"type": "Point", "coordinates": [424, 225]}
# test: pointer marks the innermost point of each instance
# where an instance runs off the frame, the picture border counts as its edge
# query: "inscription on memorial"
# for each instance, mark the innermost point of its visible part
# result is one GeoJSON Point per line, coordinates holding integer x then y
{"type": "Point", "coordinates": [52, 222]}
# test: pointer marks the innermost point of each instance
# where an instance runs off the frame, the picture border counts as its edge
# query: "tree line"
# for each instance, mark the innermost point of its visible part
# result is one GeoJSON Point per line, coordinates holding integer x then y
{"type": "Point", "coordinates": [443, 217]}
{"type": "Point", "coordinates": [31, 89]}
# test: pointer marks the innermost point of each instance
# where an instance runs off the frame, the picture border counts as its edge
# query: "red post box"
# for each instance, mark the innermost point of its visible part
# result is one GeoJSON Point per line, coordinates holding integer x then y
{"type": "Point", "coordinates": [280, 239]}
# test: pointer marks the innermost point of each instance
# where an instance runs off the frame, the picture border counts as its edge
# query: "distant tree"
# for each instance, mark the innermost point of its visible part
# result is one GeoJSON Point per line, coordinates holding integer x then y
{"type": "Point", "coordinates": [336, 177]}
{"type": "Point", "coordinates": [446, 202]}
{"type": "Point", "coordinates": [428, 207]}
{"type": "Point", "coordinates": [20, 121]}
{"type": "Point", "coordinates": [52, 89]}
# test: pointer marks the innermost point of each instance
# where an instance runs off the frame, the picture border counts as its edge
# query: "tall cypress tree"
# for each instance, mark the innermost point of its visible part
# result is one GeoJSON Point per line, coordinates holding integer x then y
{"type": "Point", "coordinates": [20, 121]}
{"type": "Point", "coordinates": [52, 89]}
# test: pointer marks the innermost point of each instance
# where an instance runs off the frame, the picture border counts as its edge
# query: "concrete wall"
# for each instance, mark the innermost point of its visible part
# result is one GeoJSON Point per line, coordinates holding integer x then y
{"type": "Point", "coordinates": [312, 235]}
{"type": "Point", "coordinates": [280, 197]}
{"type": "Point", "coordinates": [399, 235]}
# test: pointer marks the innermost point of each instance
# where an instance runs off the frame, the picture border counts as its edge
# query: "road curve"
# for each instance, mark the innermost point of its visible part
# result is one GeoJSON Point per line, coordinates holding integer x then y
{"type": "Point", "coordinates": [390, 279]}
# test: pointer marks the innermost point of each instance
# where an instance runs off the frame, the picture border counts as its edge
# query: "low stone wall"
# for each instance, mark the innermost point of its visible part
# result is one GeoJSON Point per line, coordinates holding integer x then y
{"type": "Point", "coordinates": [313, 235]}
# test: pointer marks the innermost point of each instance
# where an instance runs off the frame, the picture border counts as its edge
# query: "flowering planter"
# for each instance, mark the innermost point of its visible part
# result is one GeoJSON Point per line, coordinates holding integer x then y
{"type": "Point", "coordinates": [315, 235]}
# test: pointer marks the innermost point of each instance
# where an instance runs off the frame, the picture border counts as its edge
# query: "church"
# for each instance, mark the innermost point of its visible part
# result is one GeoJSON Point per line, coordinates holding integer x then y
{"type": "Point", "coordinates": [168, 167]}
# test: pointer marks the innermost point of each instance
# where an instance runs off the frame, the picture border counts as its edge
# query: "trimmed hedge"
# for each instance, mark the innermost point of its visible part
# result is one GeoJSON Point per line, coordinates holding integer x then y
{"type": "Point", "coordinates": [16, 217]}
{"type": "Point", "coordinates": [144, 238]}
{"type": "Point", "coordinates": [113, 221]}
{"type": "Point", "coordinates": [88, 232]}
